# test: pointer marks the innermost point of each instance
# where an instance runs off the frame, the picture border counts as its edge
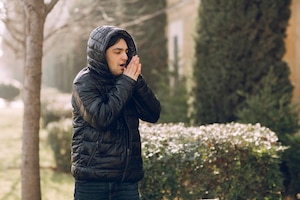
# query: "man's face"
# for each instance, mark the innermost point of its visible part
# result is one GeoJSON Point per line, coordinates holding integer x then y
{"type": "Point", "coordinates": [116, 57]}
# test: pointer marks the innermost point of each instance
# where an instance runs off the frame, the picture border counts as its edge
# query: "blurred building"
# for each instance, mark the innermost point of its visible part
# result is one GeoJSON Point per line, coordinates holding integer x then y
{"type": "Point", "coordinates": [292, 56]}
{"type": "Point", "coordinates": [182, 16]}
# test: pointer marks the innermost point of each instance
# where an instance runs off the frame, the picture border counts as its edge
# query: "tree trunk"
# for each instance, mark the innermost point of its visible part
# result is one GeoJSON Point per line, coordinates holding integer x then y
{"type": "Point", "coordinates": [30, 173]}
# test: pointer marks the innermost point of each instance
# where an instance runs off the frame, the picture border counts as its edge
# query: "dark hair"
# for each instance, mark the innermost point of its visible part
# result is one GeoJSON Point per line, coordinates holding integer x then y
{"type": "Point", "coordinates": [114, 39]}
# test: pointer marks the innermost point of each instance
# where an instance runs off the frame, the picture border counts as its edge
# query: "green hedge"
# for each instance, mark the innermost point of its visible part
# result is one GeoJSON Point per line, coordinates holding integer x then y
{"type": "Point", "coordinates": [291, 165]}
{"type": "Point", "coordinates": [225, 161]}
{"type": "Point", "coordinates": [9, 90]}
{"type": "Point", "coordinates": [59, 138]}
{"type": "Point", "coordinates": [54, 106]}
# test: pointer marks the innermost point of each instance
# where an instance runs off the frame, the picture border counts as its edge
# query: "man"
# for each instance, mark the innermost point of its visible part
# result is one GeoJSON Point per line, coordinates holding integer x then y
{"type": "Point", "coordinates": [109, 97]}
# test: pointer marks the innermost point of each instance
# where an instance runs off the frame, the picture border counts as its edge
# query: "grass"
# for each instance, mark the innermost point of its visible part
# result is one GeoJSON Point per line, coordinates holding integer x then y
{"type": "Point", "coordinates": [54, 185]}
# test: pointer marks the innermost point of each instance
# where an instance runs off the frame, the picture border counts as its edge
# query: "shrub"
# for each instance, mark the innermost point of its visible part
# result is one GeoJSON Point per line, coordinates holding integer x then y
{"type": "Point", "coordinates": [270, 109]}
{"type": "Point", "coordinates": [236, 44]}
{"type": "Point", "coordinates": [54, 106]}
{"type": "Point", "coordinates": [59, 138]}
{"type": "Point", "coordinates": [228, 161]}
{"type": "Point", "coordinates": [225, 161]}
{"type": "Point", "coordinates": [291, 167]}
{"type": "Point", "coordinates": [278, 114]}
{"type": "Point", "coordinates": [9, 90]}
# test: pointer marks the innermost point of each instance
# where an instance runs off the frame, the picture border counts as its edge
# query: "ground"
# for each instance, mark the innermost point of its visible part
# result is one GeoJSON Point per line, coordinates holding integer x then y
{"type": "Point", "coordinates": [54, 185]}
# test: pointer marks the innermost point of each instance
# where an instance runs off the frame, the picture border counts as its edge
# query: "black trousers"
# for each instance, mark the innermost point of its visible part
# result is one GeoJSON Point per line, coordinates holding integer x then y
{"type": "Point", "coordinates": [96, 190]}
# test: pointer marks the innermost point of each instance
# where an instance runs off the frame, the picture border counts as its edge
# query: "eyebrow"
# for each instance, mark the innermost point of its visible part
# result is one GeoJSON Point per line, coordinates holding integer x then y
{"type": "Point", "coordinates": [117, 48]}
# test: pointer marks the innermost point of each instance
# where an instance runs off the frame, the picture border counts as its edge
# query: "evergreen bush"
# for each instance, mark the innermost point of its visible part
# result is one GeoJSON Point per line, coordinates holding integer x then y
{"type": "Point", "coordinates": [173, 101]}
{"type": "Point", "coordinates": [59, 138]}
{"type": "Point", "coordinates": [239, 71]}
{"type": "Point", "coordinates": [54, 106]}
{"type": "Point", "coordinates": [270, 109]}
{"type": "Point", "coordinates": [237, 43]}
{"type": "Point", "coordinates": [276, 113]}
{"type": "Point", "coordinates": [9, 91]}
{"type": "Point", "coordinates": [291, 166]}
{"type": "Point", "coordinates": [225, 161]}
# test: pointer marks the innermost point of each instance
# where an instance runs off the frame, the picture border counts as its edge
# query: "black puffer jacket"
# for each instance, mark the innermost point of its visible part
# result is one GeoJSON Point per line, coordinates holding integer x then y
{"type": "Point", "coordinates": [106, 143]}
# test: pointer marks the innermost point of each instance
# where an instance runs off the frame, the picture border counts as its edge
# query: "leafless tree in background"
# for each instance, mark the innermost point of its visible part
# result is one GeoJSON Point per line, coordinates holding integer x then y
{"type": "Point", "coordinates": [36, 12]}
{"type": "Point", "coordinates": [12, 15]}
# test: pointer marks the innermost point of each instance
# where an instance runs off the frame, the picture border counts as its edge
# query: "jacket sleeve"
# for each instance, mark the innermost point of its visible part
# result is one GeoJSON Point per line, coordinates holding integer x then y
{"type": "Point", "coordinates": [147, 104]}
{"type": "Point", "coordinates": [102, 112]}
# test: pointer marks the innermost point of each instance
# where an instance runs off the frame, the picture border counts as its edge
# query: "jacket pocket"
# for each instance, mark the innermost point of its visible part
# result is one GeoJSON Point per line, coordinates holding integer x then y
{"type": "Point", "coordinates": [95, 148]}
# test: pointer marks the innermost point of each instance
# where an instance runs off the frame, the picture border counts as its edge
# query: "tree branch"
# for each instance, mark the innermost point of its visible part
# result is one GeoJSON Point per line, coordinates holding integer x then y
{"type": "Point", "coordinates": [50, 6]}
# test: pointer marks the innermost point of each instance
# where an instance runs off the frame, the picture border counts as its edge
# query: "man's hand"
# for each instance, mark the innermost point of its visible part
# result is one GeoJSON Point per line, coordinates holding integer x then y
{"type": "Point", "coordinates": [134, 68]}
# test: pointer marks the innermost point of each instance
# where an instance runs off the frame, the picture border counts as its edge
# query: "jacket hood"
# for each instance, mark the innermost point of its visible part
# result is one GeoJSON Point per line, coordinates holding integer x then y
{"type": "Point", "coordinates": [97, 45]}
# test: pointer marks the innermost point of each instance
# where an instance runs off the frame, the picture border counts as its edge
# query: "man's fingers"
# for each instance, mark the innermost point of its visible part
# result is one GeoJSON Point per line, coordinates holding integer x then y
{"type": "Point", "coordinates": [133, 69]}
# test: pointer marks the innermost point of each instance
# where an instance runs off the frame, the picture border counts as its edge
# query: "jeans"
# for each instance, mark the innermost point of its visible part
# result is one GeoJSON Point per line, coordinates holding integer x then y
{"type": "Point", "coordinates": [96, 190]}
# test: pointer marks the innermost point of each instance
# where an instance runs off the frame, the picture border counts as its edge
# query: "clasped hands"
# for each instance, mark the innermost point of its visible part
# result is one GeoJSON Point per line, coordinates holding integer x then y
{"type": "Point", "coordinates": [134, 68]}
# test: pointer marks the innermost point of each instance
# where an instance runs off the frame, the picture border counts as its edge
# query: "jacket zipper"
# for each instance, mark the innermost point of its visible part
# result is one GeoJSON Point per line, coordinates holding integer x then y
{"type": "Point", "coordinates": [128, 139]}
{"type": "Point", "coordinates": [127, 162]}
{"type": "Point", "coordinates": [93, 153]}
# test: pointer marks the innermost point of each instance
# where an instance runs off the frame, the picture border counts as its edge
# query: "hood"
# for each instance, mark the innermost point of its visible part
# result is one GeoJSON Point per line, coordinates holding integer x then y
{"type": "Point", "coordinates": [97, 44]}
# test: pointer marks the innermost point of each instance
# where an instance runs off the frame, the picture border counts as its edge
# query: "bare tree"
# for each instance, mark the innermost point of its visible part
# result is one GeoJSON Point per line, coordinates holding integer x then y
{"type": "Point", "coordinates": [36, 12]}
{"type": "Point", "coordinates": [13, 18]}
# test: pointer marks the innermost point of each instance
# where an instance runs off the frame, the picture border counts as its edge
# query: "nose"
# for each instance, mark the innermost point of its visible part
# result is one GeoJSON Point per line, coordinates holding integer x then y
{"type": "Point", "coordinates": [124, 56]}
